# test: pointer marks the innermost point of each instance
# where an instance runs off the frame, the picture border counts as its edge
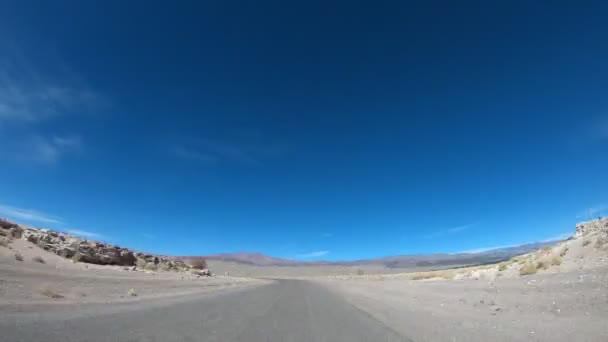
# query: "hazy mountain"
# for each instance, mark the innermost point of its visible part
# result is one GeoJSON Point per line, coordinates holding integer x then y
{"type": "Point", "coordinates": [398, 261]}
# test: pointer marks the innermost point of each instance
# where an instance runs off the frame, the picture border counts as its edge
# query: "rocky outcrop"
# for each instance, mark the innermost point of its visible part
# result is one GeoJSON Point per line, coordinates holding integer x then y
{"type": "Point", "coordinates": [93, 252]}
{"type": "Point", "coordinates": [10, 229]}
{"type": "Point", "coordinates": [591, 227]}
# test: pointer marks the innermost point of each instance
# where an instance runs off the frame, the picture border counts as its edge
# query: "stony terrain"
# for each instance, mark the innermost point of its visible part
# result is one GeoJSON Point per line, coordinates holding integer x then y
{"type": "Point", "coordinates": [42, 266]}
{"type": "Point", "coordinates": [93, 252]}
{"type": "Point", "coordinates": [558, 293]}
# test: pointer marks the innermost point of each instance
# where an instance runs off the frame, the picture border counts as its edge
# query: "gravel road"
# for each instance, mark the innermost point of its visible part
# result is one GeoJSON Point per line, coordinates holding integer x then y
{"type": "Point", "coordinates": [284, 310]}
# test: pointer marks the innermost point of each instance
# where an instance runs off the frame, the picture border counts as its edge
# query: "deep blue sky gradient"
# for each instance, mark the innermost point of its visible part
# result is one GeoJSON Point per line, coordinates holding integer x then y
{"type": "Point", "coordinates": [316, 130]}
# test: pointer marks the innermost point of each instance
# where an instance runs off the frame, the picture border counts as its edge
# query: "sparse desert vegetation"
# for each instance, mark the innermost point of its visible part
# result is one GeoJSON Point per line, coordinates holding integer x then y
{"type": "Point", "coordinates": [4, 242]}
{"type": "Point", "coordinates": [556, 260]}
{"type": "Point", "coordinates": [528, 268]}
{"type": "Point", "coordinates": [18, 257]}
{"type": "Point", "coordinates": [38, 259]}
{"type": "Point", "coordinates": [198, 263]}
{"type": "Point", "coordinates": [448, 274]}
{"type": "Point", "coordinates": [601, 241]}
{"type": "Point", "coordinates": [51, 292]}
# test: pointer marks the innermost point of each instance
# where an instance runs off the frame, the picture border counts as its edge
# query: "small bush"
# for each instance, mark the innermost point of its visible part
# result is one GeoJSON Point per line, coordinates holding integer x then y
{"type": "Point", "coordinates": [50, 292]}
{"type": "Point", "coordinates": [360, 272]}
{"type": "Point", "coordinates": [430, 275]}
{"type": "Point", "coordinates": [542, 264]}
{"type": "Point", "coordinates": [198, 263]}
{"type": "Point", "coordinates": [4, 242]}
{"type": "Point", "coordinates": [502, 266]}
{"type": "Point", "coordinates": [527, 268]}
{"type": "Point", "coordinates": [547, 250]}
{"type": "Point", "coordinates": [38, 260]}
{"type": "Point", "coordinates": [140, 263]}
{"type": "Point", "coordinates": [586, 242]}
{"type": "Point", "coordinates": [150, 267]}
{"type": "Point", "coordinates": [556, 260]}
{"type": "Point", "coordinates": [564, 251]}
{"type": "Point", "coordinates": [18, 257]}
{"type": "Point", "coordinates": [77, 257]}
{"type": "Point", "coordinates": [601, 241]}
{"type": "Point", "coordinates": [132, 292]}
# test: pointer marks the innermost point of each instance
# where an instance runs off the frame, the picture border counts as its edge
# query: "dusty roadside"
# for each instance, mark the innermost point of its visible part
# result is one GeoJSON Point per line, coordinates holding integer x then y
{"type": "Point", "coordinates": [558, 293]}
{"type": "Point", "coordinates": [57, 280]}
{"type": "Point", "coordinates": [571, 306]}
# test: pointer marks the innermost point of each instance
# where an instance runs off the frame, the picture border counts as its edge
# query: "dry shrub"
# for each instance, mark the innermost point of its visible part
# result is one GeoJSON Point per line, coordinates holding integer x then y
{"type": "Point", "coordinates": [18, 257]}
{"type": "Point", "coordinates": [586, 242]}
{"type": "Point", "coordinates": [564, 251]}
{"type": "Point", "coordinates": [38, 260]}
{"type": "Point", "coordinates": [76, 257]}
{"type": "Point", "coordinates": [434, 274]}
{"type": "Point", "coordinates": [601, 241]}
{"type": "Point", "coordinates": [51, 293]}
{"type": "Point", "coordinates": [150, 267]}
{"type": "Point", "coordinates": [502, 266]}
{"type": "Point", "coordinates": [141, 263]}
{"type": "Point", "coordinates": [542, 264]}
{"type": "Point", "coordinates": [556, 260]}
{"type": "Point", "coordinates": [527, 268]}
{"type": "Point", "coordinates": [132, 292]}
{"type": "Point", "coordinates": [4, 242]}
{"type": "Point", "coordinates": [198, 263]}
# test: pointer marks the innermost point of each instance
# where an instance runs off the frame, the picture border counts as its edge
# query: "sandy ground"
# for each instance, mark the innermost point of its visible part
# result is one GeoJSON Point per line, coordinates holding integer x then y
{"type": "Point", "coordinates": [565, 298]}
{"type": "Point", "coordinates": [59, 280]}
{"type": "Point", "coordinates": [562, 302]}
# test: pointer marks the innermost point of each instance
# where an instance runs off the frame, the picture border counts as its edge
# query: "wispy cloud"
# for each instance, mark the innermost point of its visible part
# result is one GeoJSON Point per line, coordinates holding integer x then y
{"type": "Point", "coordinates": [314, 254]}
{"type": "Point", "coordinates": [41, 149]}
{"type": "Point", "coordinates": [450, 231]}
{"type": "Point", "coordinates": [593, 212]}
{"type": "Point", "coordinates": [215, 151]}
{"type": "Point", "coordinates": [84, 233]}
{"type": "Point", "coordinates": [601, 129]}
{"type": "Point", "coordinates": [485, 249]}
{"type": "Point", "coordinates": [558, 237]}
{"type": "Point", "coordinates": [29, 215]}
{"type": "Point", "coordinates": [27, 95]}
{"type": "Point", "coordinates": [193, 154]}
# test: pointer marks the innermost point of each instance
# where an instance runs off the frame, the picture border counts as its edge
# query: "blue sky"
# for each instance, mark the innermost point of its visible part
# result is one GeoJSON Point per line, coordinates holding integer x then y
{"type": "Point", "coordinates": [311, 131]}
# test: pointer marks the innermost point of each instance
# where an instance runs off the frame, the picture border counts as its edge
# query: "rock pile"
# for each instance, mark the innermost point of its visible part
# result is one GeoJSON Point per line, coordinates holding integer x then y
{"type": "Point", "coordinates": [93, 252]}
{"type": "Point", "coordinates": [590, 227]}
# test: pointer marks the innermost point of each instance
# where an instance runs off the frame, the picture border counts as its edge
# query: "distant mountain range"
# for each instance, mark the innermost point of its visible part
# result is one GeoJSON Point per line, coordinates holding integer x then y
{"type": "Point", "coordinates": [398, 261]}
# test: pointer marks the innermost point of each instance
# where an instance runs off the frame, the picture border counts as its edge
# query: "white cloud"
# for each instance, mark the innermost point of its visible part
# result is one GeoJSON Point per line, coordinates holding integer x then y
{"type": "Point", "coordinates": [29, 96]}
{"type": "Point", "coordinates": [48, 150]}
{"type": "Point", "coordinates": [562, 236]}
{"type": "Point", "coordinates": [485, 249]}
{"type": "Point", "coordinates": [449, 231]}
{"type": "Point", "coordinates": [314, 254]}
{"type": "Point", "coordinates": [28, 215]}
{"type": "Point", "coordinates": [84, 233]}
